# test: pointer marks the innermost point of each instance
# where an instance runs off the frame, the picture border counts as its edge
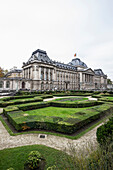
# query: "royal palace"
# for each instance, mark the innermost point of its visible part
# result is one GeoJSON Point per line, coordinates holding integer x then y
{"type": "Point", "coordinates": [42, 73]}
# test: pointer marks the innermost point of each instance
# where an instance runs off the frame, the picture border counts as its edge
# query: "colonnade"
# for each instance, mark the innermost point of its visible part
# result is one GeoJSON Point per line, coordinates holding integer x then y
{"type": "Point", "coordinates": [87, 78]}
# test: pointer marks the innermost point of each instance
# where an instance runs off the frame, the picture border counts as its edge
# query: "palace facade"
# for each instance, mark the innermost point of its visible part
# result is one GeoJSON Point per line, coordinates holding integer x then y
{"type": "Point", "coordinates": [42, 73]}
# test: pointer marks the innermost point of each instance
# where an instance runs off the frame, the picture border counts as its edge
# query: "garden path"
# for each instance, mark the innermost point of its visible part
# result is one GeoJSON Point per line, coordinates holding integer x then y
{"type": "Point", "coordinates": [89, 98]}
{"type": "Point", "coordinates": [60, 143]}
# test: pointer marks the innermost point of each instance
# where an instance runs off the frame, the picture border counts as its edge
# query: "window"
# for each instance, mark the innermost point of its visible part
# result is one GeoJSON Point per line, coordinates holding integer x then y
{"type": "Point", "coordinates": [42, 86]}
{"type": "Point", "coordinates": [7, 84]}
{"type": "Point", "coordinates": [1, 84]}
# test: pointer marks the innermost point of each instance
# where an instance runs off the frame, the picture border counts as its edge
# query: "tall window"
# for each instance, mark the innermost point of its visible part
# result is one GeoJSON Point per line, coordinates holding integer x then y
{"type": "Point", "coordinates": [42, 73]}
{"type": "Point", "coordinates": [42, 86]}
{"type": "Point", "coordinates": [7, 84]}
{"type": "Point", "coordinates": [1, 84]}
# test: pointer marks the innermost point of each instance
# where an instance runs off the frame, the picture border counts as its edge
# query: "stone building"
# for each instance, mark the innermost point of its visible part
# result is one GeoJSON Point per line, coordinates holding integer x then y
{"type": "Point", "coordinates": [13, 80]}
{"type": "Point", "coordinates": [42, 73]}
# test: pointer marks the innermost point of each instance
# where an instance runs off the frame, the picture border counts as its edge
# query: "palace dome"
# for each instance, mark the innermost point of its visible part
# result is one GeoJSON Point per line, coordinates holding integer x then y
{"type": "Point", "coordinates": [77, 63]}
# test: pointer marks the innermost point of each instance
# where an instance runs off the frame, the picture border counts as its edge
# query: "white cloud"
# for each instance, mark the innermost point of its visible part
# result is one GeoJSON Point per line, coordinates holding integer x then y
{"type": "Point", "coordinates": [61, 27]}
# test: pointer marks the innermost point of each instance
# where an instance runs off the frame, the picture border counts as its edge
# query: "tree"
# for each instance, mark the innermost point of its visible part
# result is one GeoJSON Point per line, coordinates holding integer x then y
{"type": "Point", "coordinates": [109, 81]}
{"type": "Point", "coordinates": [2, 72]}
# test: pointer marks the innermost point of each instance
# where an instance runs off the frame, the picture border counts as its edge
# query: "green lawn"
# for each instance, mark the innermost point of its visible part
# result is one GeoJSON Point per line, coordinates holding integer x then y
{"type": "Point", "coordinates": [111, 98]}
{"type": "Point", "coordinates": [60, 112]}
{"type": "Point", "coordinates": [16, 157]}
{"type": "Point", "coordinates": [71, 99]}
{"type": "Point", "coordinates": [66, 120]}
{"type": "Point", "coordinates": [48, 114]}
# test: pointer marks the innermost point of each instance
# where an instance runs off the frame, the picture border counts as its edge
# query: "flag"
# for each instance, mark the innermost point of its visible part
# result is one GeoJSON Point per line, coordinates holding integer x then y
{"type": "Point", "coordinates": [75, 55]}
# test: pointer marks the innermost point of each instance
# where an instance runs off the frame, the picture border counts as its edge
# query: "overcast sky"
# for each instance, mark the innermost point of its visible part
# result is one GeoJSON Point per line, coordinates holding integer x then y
{"type": "Point", "coordinates": [61, 28]}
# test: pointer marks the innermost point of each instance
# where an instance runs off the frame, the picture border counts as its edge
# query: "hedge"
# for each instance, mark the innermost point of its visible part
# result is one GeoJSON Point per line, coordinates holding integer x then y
{"type": "Point", "coordinates": [7, 103]}
{"type": "Point", "coordinates": [79, 104]}
{"type": "Point", "coordinates": [106, 99]}
{"type": "Point", "coordinates": [10, 109]}
{"type": "Point", "coordinates": [96, 96]}
{"type": "Point", "coordinates": [31, 106]}
{"type": "Point", "coordinates": [18, 97]}
{"type": "Point", "coordinates": [60, 125]}
{"type": "Point", "coordinates": [73, 94]}
{"type": "Point", "coordinates": [105, 133]}
{"type": "Point", "coordinates": [36, 105]}
{"type": "Point", "coordinates": [46, 96]}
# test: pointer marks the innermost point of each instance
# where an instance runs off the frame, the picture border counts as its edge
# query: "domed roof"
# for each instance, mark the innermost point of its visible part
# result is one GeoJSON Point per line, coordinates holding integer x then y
{"type": "Point", "coordinates": [77, 63]}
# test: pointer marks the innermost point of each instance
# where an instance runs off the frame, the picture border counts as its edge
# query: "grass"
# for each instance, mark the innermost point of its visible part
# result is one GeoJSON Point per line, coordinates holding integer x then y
{"type": "Point", "coordinates": [16, 157]}
{"type": "Point", "coordinates": [55, 134]}
{"type": "Point", "coordinates": [49, 114]}
{"type": "Point", "coordinates": [71, 99]}
{"type": "Point", "coordinates": [87, 158]}
{"type": "Point", "coordinates": [111, 98]}
{"type": "Point", "coordinates": [106, 99]}
{"type": "Point", "coordinates": [57, 111]}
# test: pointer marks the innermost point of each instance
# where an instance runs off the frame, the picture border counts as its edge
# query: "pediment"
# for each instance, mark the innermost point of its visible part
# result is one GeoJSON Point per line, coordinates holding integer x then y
{"type": "Point", "coordinates": [89, 71]}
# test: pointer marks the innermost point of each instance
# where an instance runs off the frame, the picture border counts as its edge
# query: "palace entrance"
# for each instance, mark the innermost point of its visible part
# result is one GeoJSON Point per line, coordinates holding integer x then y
{"type": "Point", "coordinates": [23, 85]}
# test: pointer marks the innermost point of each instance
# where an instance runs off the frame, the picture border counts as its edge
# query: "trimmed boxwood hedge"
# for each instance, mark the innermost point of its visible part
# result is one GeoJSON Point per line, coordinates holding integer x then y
{"type": "Point", "coordinates": [36, 105]}
{"type": "Point", "coordinates": [96, 96]}
{"type": "Point", "coordinates": [18, 97]}
{"type": "Point", "coordinates": [79, 104]}
{"type": "Point", "coordinates": [31, 106]}
{"type": "Point", "coordinates": [46, 96]}
{"type": "Point", "coordinates": [106, 99]}
{"type": "Point", "coordinates": [7, 103]}
{"type": "Point", "coordinates": [73, 94]}
{"type": "Point", "coordinates": [10, 109]}
{"type": "Point", "coordinates": [105, 133]}
{"type": "Point", "coordinates": [25, 96]}
{"type": "Point", "coordinates": [59, 125]}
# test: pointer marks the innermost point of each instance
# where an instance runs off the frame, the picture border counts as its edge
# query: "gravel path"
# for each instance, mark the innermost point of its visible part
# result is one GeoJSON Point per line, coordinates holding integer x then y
{"type": "Point", "coordinates": [60, 143]}
{"type": "Point", "coordinates": [49, 99]}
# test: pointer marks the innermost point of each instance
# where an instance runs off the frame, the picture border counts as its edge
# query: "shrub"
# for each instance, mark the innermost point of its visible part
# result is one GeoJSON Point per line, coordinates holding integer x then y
{"type": "Point", "coordinates": [52, 168]}
{"type": "Point", "coordinates": [10, 109]}
{"type": "Point", "coordinates": [78, 104]}
{"type": "Point", "coordinates": [66, 125]}
{"type": "Point", "coordinates": [35, 161]}
{"type": "Point", "coordinates": [35, 105]}
{"type": "Point", "coordinates": [46, 96]}
{"type": "Point", "coordinates": [1, 102]}
{"type": "Point", "coordinates": [7, 103]}
{"type": "Point", "coordinates": [105, 132]}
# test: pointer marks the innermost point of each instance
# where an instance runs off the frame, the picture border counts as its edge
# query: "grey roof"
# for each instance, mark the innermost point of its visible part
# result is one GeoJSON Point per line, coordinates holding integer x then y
{"type": "Point", "coordinates": [64, 66]}
{"type": "Point", "coordinates": [40, 55]}
{"type": "Point", "coordinates": [13, 71]}
{"type": "Point", "coordinates": [77, 62]}
{"type": "Point", "coordinates": [99, 72]}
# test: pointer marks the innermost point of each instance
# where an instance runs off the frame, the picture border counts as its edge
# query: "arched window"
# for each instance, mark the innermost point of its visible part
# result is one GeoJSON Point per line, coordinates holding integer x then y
{"type": "Point", "coordinates": [1, 84]}
{"type": "Point", "coordinates": [7, 84]}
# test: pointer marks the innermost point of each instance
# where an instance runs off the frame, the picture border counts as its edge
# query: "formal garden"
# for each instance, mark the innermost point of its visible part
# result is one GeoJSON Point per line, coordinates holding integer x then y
{"type": "Point", "coordinates": [64, 114]}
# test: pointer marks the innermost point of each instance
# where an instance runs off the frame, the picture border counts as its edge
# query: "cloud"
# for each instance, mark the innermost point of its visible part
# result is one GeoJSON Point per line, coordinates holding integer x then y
{"type": "Point", "coordinates": [59, 27]}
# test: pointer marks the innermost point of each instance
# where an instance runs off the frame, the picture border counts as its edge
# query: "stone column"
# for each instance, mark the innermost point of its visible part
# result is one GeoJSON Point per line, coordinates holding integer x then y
{"type": "Point", "coordinates": [45, 78]}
